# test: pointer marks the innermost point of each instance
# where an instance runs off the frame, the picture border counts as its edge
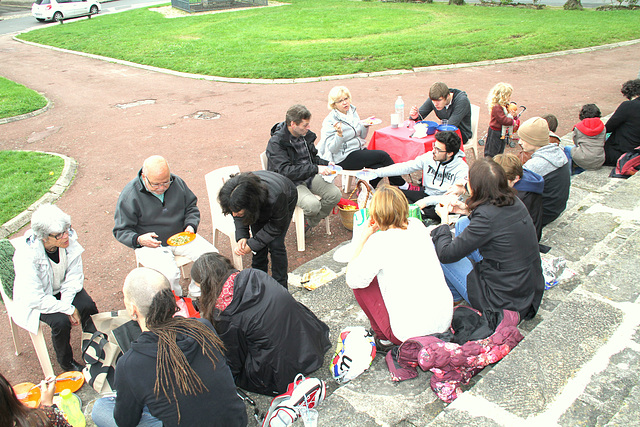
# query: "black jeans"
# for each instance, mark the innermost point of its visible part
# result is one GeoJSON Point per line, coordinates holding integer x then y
{"type": "Point", "coordinates": [373, 159]}
{"type": "Point", "coordinates": [279, 261]}
{"type": "Point", "coordinates": [61, 325]}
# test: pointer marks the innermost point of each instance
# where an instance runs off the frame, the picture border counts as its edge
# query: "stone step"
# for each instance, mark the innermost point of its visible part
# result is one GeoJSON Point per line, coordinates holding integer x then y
{"type": "Point", "coordinates": [545, 377]}
{"type": "Point", "coordinates": [580, 364]}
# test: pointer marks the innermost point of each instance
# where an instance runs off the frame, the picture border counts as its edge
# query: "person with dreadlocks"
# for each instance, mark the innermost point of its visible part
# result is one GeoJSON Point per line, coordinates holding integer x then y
{"type": "Point", "coordinates": [175, 373]}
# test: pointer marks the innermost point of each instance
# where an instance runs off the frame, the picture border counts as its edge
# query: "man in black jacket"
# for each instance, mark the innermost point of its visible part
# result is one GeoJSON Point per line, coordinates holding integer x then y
{"type": "Point", "coordinates": [262, 202]}
{"type": "Point", "coordinates": [291, 152]}
{"type": "Point", "coordinates": [152, 207]}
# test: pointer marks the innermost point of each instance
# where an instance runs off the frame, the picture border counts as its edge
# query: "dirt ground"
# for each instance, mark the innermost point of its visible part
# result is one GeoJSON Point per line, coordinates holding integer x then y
{"type": "Point", "coordinates": [87, 121]}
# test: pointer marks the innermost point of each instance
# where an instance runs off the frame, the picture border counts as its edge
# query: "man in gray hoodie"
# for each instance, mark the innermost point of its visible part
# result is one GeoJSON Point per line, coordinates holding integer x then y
{"type": "Point", "coordinates": [441, 168]}
{"type": "Point", "coordinates": [549, 161]}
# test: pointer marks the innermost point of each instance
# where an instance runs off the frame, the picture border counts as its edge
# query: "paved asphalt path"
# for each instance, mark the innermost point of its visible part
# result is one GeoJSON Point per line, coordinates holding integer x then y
{"type": "Point", "coordinates": [86, 122]}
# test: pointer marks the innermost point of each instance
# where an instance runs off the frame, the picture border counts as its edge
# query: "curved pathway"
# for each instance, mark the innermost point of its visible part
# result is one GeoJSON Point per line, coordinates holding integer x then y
{"type": "Point", "coordinates": [109, 117]}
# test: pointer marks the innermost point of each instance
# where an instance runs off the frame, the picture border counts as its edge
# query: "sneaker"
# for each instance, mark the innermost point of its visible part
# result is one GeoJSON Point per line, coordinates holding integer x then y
{"type": "Point", "coordinates": [413, 187]}
{"type": "Point", "coordinates": [382, 347]}
{"type": "Point", "coordinates": [303, 393]}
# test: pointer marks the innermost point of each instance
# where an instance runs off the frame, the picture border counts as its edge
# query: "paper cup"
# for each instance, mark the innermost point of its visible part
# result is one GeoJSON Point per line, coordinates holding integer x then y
{"type": "Point", "coordinates": [395, 120]}
{"type": "Point", "coordinates": [310, 417]}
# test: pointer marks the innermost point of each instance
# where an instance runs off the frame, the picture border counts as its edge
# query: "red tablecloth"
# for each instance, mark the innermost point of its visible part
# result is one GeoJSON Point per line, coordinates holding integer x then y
{"type": "Point", "coordinates": [399, 144]}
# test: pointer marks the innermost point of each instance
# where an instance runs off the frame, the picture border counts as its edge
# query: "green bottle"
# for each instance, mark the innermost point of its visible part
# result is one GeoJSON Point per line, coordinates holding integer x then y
{"type": "Point", "coordinates": [70, 406]}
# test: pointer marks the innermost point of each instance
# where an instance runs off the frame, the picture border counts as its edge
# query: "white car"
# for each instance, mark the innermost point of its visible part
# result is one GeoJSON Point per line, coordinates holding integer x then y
{"type": "Point", "coordinates": [57, 10]}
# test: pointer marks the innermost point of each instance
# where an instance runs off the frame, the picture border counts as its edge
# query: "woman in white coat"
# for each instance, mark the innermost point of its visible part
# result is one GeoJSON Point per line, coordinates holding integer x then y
{"type": "Point", "coordinates": [396, 276]}
{"type": "Point", "coordinates": [49, 282]}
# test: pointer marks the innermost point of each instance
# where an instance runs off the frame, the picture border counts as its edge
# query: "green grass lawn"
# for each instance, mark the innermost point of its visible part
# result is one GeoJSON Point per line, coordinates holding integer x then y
{"type": "Point", "coordinates": [24, 178]}
{"type": "Point", "coordinates": [310, 38]}
{"type": "Point", "coordinates": [16, 99]}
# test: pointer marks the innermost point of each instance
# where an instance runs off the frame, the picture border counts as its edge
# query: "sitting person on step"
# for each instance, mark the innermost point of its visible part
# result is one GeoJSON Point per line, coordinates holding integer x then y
{"type": "Point", "coordinates": [529, 186]}
{"type": "Point", "coordinates": [587, 153]}
{"type": "Point", "coordinates": [494, 260]}
{"type": "Point", "coordinates": [269, 337]}
{"type": "Point", "coordinates": [395, 274]}
{"type": "Point", "coordinates": [549, 161]}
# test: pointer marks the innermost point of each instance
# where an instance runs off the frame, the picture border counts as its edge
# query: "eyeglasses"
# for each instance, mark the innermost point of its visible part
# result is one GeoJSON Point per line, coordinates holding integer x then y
{"type": "Point", "coordinates": [159, 184]}
{"type": "Point", "coordinates": [466, 187]}
{"type": "Point", "coordinates": [60, 236]}
{"type": "Point", "coordinates": [437, 150]}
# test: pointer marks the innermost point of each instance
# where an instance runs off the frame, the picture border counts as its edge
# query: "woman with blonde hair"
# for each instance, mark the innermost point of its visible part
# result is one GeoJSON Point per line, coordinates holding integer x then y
{"type": "Point", "coordinates": [395, 274]}
{"type": "Point", "coordinates": [503, 118]}
{"type": "Point", "coordinates": [344, 136]}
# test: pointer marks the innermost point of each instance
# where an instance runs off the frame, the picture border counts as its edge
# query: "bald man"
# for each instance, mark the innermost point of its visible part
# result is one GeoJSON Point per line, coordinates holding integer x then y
{"type": "Point", "coordinates": [154, 206]}
{"type": "Point", "coordinates": [139, 370]}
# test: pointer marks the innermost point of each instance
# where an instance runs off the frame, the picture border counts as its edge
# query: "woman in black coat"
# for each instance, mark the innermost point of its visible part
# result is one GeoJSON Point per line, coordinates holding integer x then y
{"type": "Point", "coordinates": [508, 273]}
{"type": "Point", "coordinates": [263, 201]}
{"type": "Point", "coordinates": [269, 336]}
{"type": "Point", "coordinates": [624, 124]}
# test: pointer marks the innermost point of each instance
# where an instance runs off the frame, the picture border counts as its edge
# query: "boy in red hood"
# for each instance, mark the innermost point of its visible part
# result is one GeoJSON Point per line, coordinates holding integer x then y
{"type": "Point", "coordinates": [587, 153]}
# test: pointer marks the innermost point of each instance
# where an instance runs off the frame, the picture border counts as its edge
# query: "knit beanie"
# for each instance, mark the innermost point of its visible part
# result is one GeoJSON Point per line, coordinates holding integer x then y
{"type": "Point", "coordinates": [535, 131]}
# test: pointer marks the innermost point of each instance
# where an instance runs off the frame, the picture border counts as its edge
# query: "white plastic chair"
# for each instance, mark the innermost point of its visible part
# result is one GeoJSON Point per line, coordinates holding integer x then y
{"type": "Point", "coordinates": [39, 344]}
{"type": "Point", "coordinates": [222, 223]}
{"type": "Point", "coordinates": [298, 213]}
{"type": "Point", "coordinates": [473, 141]}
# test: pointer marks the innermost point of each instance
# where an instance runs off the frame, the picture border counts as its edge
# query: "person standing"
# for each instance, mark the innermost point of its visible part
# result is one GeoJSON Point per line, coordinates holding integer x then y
{"type": "Point", "coordinates": [291, 152]}
{"type": "Point", "coordinates": [152, 207]}
{"type": "Point", "coordinates": [49, 283]}
{"type": "Point", "coordinates": [262, 202]}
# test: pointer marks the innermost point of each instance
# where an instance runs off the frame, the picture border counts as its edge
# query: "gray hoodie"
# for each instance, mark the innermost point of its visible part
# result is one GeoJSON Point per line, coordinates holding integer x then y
{"type": "Point", "coordinates": [546, 159]}
{"type": "Point", "coordinates": [437, 177]}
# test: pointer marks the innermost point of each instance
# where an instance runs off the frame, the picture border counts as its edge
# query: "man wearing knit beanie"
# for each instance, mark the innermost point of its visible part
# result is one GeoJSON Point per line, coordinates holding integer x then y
{"type": "Point", "coordinates": [549, 161]}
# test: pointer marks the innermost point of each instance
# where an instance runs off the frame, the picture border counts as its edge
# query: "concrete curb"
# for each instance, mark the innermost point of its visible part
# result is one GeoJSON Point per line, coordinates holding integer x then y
{"type": "Point", "coordinates": [54, 193]}
{"type": "Point", "coordinates": [339, 77]}
{"type": "Point", "coordinates": [27, 115]}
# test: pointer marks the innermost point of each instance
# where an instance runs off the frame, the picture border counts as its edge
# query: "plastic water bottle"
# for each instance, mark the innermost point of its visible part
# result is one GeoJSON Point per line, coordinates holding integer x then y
{"type": "Point", "coordinates": [400, 109]}
{"type": "Point", "coordinates": [70, 405]}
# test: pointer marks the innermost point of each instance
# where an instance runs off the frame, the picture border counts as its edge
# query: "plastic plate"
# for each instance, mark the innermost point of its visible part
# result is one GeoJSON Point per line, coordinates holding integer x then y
{"type": "Point", "coordinates": [366, 175]}
{"type": "Point", "coordinates": [180, 239]}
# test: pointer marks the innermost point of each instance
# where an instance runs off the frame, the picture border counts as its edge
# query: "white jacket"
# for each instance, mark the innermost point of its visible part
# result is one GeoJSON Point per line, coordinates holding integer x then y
{"type": "Point", "coordinates": [411, 281]}
{"type": "Point", "coordinates": [334, 148]}
{"type": "Point", "coordinates": [437, 177]}
{"type": "Point", "coordinates": [33, 286]}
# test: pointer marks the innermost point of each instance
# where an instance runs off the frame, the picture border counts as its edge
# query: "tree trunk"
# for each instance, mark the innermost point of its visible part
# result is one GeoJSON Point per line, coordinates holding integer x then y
{"type": "Point", "coordinates": [573, 5]}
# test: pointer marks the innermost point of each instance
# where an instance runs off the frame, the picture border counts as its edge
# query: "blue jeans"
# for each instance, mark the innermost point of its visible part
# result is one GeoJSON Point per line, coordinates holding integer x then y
{"type": "Point", "coordinates": [456, 273]}
{"type": "Point", "coordinates": [102, 414]}
{"type": "Point", "coordinates": [574, 169]}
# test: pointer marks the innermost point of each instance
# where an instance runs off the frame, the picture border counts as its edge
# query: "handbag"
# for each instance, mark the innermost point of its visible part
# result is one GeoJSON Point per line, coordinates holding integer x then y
{"type": "Point", "coordinates": [100, 350]}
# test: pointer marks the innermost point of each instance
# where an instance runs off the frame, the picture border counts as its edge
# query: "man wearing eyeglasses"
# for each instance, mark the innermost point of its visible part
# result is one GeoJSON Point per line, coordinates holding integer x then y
{"type": "Point", "coordinates": [441, 168]}
{"type": "Point", "coordinates": [154, 206]}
